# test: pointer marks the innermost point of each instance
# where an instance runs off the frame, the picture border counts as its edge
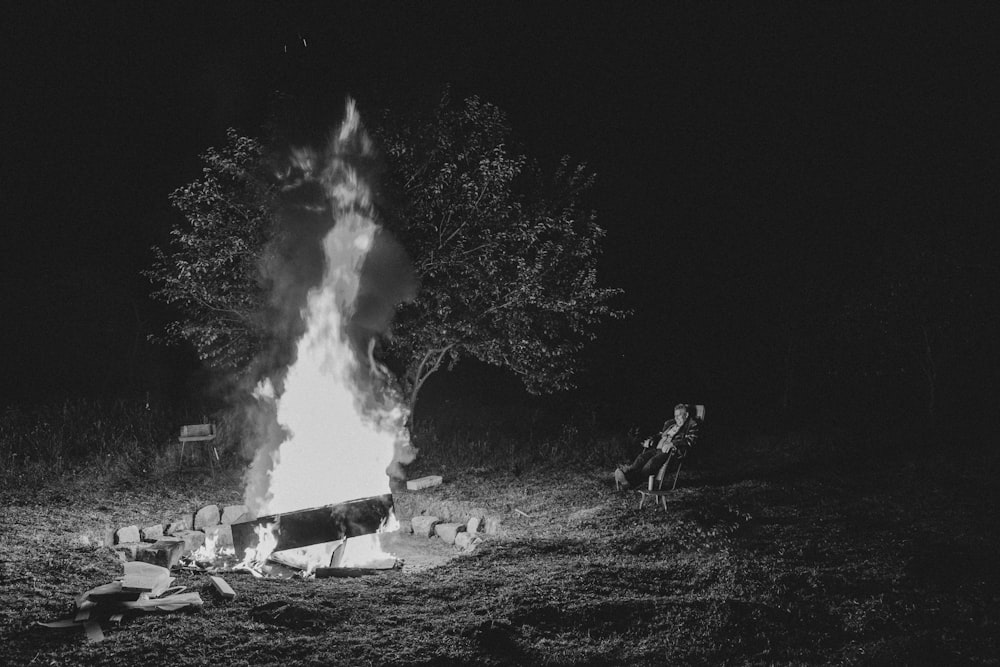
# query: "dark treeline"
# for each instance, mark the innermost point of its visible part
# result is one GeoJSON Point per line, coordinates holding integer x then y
{"type": "Point", "coordinates": [799, 203]}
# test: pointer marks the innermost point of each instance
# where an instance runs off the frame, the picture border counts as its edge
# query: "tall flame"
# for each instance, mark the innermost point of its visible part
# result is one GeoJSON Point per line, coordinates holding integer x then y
{"type": "Point", "coordinates": [342, 432]}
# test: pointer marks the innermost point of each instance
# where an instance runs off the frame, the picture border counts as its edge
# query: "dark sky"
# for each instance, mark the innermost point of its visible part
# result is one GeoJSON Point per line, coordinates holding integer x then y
{"type": "Point", "coordinates": [750, 157]}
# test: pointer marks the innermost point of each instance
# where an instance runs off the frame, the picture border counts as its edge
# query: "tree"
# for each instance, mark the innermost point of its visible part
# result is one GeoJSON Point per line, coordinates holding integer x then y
{"type": "Point", "coordinates": [210, 271]}
{"type": "Point", "coordinates": [505, 252]}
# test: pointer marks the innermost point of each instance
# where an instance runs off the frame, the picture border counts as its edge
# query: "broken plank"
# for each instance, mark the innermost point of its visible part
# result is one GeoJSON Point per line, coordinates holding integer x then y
{"type": "Point", "coordinates": [306, 527]}
{"type": "Point", "coordinates": [223, 587]}
{"type": "Point", "coordinates": [93, 630]}
{"type": "Point", "coordinates": [344, 572]}
{"type": "Point", "coordinates": [423, 482]}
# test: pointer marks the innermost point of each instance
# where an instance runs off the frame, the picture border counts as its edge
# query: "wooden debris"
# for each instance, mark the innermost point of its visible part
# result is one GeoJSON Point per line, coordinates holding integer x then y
{"type": "Point", "coordinates": [145, 577]}
{"type": "Point", "coordinates": [346, 572]}
{"type": "Point", "coordinates": [303, 528]}
{"type": "Point", "coordinates": [94, 632]}
{"type": "Point", "coordinates": [423, 482]}
{"type": "Point", "coordinates": [223, 588]}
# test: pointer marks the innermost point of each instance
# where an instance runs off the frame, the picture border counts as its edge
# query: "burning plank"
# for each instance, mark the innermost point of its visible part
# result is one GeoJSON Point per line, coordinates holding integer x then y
{"type": "Point", "coordinates": [303, 528]}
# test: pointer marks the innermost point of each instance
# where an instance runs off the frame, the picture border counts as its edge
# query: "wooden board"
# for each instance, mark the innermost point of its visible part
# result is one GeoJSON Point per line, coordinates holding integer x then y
{"type": "Point", "coordinates": [303, 528]}
{"type": "Point", "coordinates": [223, 587]}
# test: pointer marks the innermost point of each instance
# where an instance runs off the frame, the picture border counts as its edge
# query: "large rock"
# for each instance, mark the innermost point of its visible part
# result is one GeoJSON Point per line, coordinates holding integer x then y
{"type": "Point", "coordinates": [128, 549]}
{"type": "Point", "coordinates": [193, 539]}
{"type": "Point", "coordinates": [233, 513]}
{"type": "Point", "coordinates": [206, 516]}
{"type": "Point", "coordinates": [152, 533]}
{"type": "Point", "coordinates": [165, 553]}
{"type": "Point", "coordinates": [127, 534]}
{"type": "Point", "coordinates": [493, 525]}
{"type": "Point", "coordinates": [222, 534]}
{"type": "Point", "coordinates": [179, 525]}
{"type": "Point", "coordinates": [424, 525]}
{"type": "Point", "coordinates": [448, 531]}
{"type": "Point", "coordinates": [466, 541]}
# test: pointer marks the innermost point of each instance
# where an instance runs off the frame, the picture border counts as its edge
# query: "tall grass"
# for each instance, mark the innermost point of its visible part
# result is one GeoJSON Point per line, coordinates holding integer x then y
{"type": "Point", "coordinates": [516, 438]}
{"type": "Point", "coordinates": [114, 438]}
{"type": "Point", "coordinates": [131, 439]}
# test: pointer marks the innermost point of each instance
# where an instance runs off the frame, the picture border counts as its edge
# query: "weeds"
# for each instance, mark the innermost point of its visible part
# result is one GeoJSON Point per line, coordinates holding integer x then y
{"type": "Point", "coordinates": [118, 442]}
{"type": "Point", "coordinates": [773, 550]}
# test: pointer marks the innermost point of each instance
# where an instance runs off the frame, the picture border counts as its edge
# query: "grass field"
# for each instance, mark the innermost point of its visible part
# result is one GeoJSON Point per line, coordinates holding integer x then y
{"type": "Point", "coordinates": [770, 552]}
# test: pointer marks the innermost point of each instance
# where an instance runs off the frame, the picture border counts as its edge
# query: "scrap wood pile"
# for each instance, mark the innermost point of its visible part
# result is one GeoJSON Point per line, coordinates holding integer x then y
{"type": "Point", "coordinates": [144, 588]}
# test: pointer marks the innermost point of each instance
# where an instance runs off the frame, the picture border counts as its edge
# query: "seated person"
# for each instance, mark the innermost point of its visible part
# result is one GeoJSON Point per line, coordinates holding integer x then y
{"type": "Point", "coordinates": [677, 437]}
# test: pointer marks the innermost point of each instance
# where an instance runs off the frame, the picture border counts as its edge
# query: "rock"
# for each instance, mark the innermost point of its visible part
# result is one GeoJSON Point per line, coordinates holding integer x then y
{"type": "Point", "coordinates": [493, 525]}
{"type": "Point", "coordinates": [221, 535]}
{"type": "Point", "coordinates": [206, 516]}
{"type": "Point", "coordinates": [193, 539]}
{"type": "Point", "coordinates": [465, 541]}
{"type": "Point", "coordinates": [233, 513]}
{"type": "Point", "coordinates": [424, 525]}
{"type": "Point", "coordinates": [178, 525]}
{"type": "Point", "coordinates": [127, 534]}
{"type": "Point", "coordinates": [473, 525]}
{"type": "Point", "coordinates": [165, 553]}
{"type": "Point", "coordinates": [152, 533]}
{"type": "Point", "coordinates": [448, 531]}
{"type": "Point", "coordinates": [128, 549]}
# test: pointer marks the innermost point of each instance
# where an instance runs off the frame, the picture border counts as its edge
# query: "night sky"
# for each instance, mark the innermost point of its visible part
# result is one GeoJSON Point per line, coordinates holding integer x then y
{"type": "Point", "coordinates": [752, 160]}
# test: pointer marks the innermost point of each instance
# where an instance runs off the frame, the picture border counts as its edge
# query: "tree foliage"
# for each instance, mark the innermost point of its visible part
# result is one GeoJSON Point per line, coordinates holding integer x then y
{"type": "Point", "coordinates": [210, 270]}
{"type": "Point", "coordinates": [506, 254]}
{"type": "Point", "coordinates": [505, 251]}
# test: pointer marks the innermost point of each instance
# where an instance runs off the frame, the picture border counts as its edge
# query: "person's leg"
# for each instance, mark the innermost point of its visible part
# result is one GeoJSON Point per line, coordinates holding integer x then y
{"type": "Point", "coordinates": [633, 473]}
{"type": "Point", "coordinates": [652, 466]}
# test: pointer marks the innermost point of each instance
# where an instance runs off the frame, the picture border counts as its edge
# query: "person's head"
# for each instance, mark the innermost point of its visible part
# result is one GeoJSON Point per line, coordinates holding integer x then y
{"type": "Point", "coordinates": [680, 413]}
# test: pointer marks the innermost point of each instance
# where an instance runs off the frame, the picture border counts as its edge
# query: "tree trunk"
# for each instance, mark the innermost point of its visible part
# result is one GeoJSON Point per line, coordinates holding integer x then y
{"type": "Point", "coordinates": [429, 364]}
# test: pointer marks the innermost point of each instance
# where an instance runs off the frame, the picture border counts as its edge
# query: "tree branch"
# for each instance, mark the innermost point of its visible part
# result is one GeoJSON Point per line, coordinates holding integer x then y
{"type": "Point", "coordinates": [420, 376]}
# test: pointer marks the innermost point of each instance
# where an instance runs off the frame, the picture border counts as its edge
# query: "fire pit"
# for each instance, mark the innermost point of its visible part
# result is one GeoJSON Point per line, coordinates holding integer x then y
{"type": "Point", "coordinates": [304, 528]}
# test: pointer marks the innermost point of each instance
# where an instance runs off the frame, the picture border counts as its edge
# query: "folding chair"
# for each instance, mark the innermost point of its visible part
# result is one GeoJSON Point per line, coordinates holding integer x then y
{"type": "Point", "coordinates": [198, 433]}
{"type": "Point", "coordinates": [655, 488]}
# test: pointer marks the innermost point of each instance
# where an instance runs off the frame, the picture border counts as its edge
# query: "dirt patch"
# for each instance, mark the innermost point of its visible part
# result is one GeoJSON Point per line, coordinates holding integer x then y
{"type": "Point", "coordinates": [770, 570]}
{"type": "Point", "coordinates": [418, 553]}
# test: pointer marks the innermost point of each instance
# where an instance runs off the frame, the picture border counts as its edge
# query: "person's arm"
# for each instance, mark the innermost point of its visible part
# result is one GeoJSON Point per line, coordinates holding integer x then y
{"type": "Point", "coordinates": [666, 436]}
{"type": "Point", "coordinates": [687, 438]}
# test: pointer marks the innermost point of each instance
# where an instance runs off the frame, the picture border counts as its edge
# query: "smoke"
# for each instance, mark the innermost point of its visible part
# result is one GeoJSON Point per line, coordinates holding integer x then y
{"type": "Point", "coordinates": [328, 245]}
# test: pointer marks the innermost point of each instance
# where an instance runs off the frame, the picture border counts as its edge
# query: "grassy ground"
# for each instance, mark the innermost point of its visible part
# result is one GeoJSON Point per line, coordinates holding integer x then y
{"type": "Point", "coordinates": [765, 555]}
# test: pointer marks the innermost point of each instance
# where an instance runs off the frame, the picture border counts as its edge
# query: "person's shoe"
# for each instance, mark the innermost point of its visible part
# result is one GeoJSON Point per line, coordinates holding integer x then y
{"type": "Point", "coordinates": [620, 478]}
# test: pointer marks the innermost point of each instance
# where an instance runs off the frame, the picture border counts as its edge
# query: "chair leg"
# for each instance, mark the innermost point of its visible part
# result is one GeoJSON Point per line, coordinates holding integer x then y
{"type": "Point", "coordinates": [676, 475]}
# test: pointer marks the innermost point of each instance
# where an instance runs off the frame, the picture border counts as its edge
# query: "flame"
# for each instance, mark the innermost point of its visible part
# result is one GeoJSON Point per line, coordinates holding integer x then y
{"type": "Point", "coordinates": [342, 432]}
{"type": "Point", "coordinates": [267, 540]}
{"type": "Point", "coordinates": [366, 550]}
